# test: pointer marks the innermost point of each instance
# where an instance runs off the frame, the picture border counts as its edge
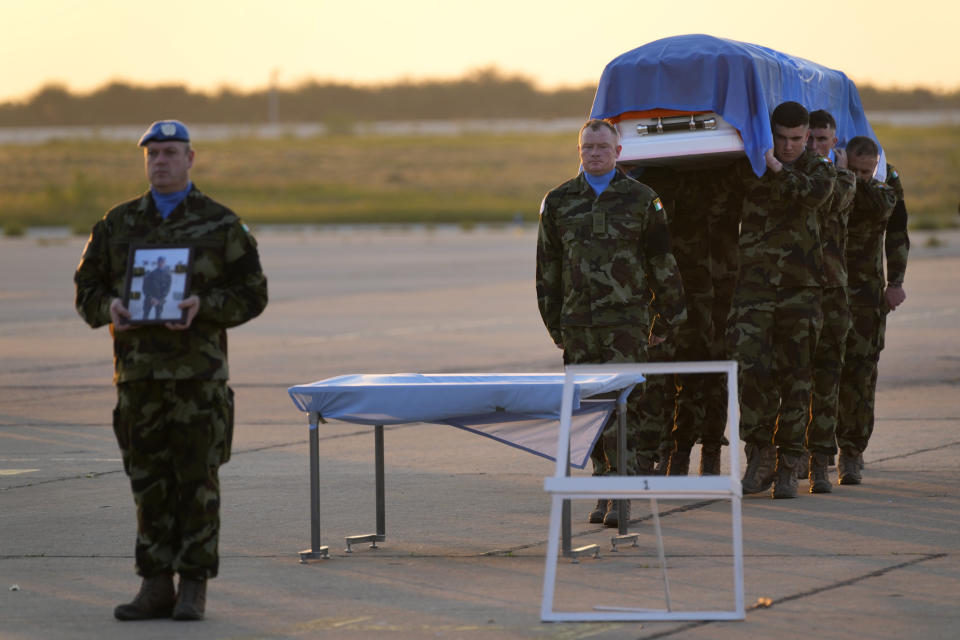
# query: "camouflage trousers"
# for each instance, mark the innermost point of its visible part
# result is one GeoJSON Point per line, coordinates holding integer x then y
{"type": "Point", "coordinates": [660, 394]}
{"type": "Point", "coordinates": [773, 334]}
{"type": "Point", "coordinates": [858, 382]}
{"type": "Point", "coordinates": [675, 404]}
{"type": "Point", "coordinates": [715, 417]}
{"type": "Point", "coordinates": [827, 368]}
{"type": "Point", "coordinates": [173, 437]}
{"type": "Point", "coordinates": [597, 345]}
{"type": "Point", "coordinates": [695, 343]}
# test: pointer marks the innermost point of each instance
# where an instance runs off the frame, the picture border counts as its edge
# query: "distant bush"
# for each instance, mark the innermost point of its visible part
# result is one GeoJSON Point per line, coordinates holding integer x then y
{"type": "Point", "coordinates": [907, 99]}
{"type": "Point", "coordinates": [484, 93]}
{"type": "Point", "coordinates": [14, 228]}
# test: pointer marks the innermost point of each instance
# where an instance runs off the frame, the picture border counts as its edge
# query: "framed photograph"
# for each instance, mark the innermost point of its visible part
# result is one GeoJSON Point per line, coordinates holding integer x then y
{"type": "Point", "coordinates": [158, 279]}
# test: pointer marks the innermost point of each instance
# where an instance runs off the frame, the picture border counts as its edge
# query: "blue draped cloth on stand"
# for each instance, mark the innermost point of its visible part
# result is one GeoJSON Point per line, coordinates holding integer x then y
{"type": "Point", "coordinates": [518, 409]}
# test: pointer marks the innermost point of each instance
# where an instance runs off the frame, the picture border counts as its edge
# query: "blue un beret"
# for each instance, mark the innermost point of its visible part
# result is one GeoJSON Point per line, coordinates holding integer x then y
{"type": "Point", "coordinates": [165, 131]}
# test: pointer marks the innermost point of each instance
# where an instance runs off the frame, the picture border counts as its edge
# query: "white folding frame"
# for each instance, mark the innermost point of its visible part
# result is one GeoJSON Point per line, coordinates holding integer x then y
{"type": "Point", "coordinates": [562, 487]}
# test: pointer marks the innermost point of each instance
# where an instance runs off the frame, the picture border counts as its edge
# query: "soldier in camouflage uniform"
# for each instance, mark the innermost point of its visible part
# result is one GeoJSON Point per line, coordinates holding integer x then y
{"type": "Point", "coordinates": [722, 205]}
{"type": "Point", "coordinates": [896, 244]}
{"type": "Point", "coordinates": [709, 265]}
{"type": "Point", "coordinates": [174, 415]}
{"type": "Point", "coordinates": [877, 210]}
{"type": "Point", "coordinates": [679, 403]}
{"type": "Point", "coordinates": [776, 316]}
{"type": "Point", "coordinates": [603, 252]}
{"type": "Point", "coordinates": [828, 360]}
{"type": "Point", "coordinates": [660, 391]}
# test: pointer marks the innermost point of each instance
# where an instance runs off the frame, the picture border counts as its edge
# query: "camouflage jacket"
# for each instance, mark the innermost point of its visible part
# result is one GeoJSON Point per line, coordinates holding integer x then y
{"type": "Point", "coordinates": [226, 276]}
{"type": "Point", "coordinates": [872, 206]}
{"type": "Point", "coordinates": [723, 204]}
{"type": "Point", "coordinates": [602, 259]}
{"type": "Point", "coordinates": [779, 232]}
{"type": "Point", "coordinates": [897, 242]}
{"type": "Point", "coordinates": [834, 215]}
{"type": "Point", "coordinates": [683, 196]}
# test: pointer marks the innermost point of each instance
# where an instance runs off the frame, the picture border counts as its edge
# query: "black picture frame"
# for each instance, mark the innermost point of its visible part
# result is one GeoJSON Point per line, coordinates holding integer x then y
{"type": "Point", "coordinates": [160, 270]}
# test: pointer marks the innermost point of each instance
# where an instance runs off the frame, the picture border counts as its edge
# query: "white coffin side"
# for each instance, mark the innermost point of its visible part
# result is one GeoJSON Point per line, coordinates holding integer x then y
{"type": "Point", "coordinates": [681, 146]}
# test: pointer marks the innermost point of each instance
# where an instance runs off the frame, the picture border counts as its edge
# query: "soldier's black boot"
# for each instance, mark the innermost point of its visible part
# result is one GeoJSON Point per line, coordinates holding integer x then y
{"type": "Point", "coordinates": [154, 600]}
{"type": "Point", "coordinates": [710, 460]}
{"type": "Point", "coordinates": [819, 477]}
{"type": "Point", "coordinates": [761, 463]}
{"type": "Point", "coordinates": [192, 599]}
{"type": "Point", "coordinates": [679, 463]}
{"type": "Point", "coordinates": [645, 467]}
{"type": "Point", "coordinates": [596, 516]}
{"type": "Point", "coordinates": [785, 483]}
{"type": "Point", "coordinates": [849, 466]}
{"type": "Point", "coordinates": [663, 458]}
{"type": "Point", "coordinates": [613, 515]}
{"type": "Point", "coordinates": [803, 467]}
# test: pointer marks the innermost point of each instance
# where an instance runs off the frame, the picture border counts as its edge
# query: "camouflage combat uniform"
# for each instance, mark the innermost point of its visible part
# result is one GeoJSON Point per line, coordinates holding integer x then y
{"type": "Point", "coordinates": [723, 205]}
{"type": "Point", "coordinates": [174, 415]}
{"type": "Point", "coordinates": [679, 403]}
{"type": "Point", "coordinates": [873, 206]}
{"type": "Point", "coordinates": [600, 261]}
{"type": "Point", "coordinates": [775, 317]}
{"type": "Point", "coordinates": [896, 243]}
{"type": "Point", "coordinates": [709, 265]}
{"type": "Point", "coordinates": [829, 356]}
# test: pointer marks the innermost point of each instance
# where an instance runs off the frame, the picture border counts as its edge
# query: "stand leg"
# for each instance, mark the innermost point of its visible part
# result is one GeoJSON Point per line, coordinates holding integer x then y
{"type": "Point", "coordinates": [655, 508]}
{"type": "Point", "coordinates": [381, 492]}
{"type": "Point", "coordinates": [381, 502]}
{"type": "Point", "coordinates": [316, 550]}
{"type": "Point", "coordinates": [622, 457]}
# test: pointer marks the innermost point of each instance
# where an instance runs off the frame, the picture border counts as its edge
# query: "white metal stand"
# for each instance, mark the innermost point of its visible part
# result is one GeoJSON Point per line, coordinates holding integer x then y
{"type": "Point", "coordinates": [561, 487]}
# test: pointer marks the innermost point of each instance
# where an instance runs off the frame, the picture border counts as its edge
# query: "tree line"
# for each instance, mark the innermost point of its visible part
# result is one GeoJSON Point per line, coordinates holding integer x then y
{"type": "Point", "coordinates": [485, 93]}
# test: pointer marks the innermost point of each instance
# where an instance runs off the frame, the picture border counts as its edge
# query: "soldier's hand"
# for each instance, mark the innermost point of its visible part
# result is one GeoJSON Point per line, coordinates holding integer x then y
{"type": "Point", "coordinates": [120, 316]}
{"type": "Point", "coordinates": [894, 297]}
{"type": "Point", "coordinates": [840, 158]}
{"type": "Point", "coordinates": [654, 340]}
{"type": "Point", "coordinates": [772, 163]}
{"type": "Point", "coordinates": [192, 305]}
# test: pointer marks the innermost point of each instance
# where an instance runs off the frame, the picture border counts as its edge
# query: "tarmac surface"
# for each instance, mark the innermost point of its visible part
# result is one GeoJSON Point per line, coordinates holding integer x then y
{"type": "Point", "coordinates": [466, 517]}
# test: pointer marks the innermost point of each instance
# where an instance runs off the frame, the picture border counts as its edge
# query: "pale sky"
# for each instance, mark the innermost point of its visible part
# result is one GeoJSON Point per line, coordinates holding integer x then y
{"type": "Point", "coordinates": [208, 44]}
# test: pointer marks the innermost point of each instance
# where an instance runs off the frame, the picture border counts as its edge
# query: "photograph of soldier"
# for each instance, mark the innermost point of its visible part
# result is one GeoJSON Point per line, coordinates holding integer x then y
{"type": "Point", "coordinates": [173, 419]}
{"type": "Point", "coordinates": [603, 254]}
{"type": "Point", "coordinates": [156, 288]}
{"type": "Point", "coordinates": [776, 316]}
{"type": "Point", "coordinates": [877, 225]}
{"type": "Point", "coordinates": [828, 360]}
{"type": "Point", "coordinates": [158, 279]}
